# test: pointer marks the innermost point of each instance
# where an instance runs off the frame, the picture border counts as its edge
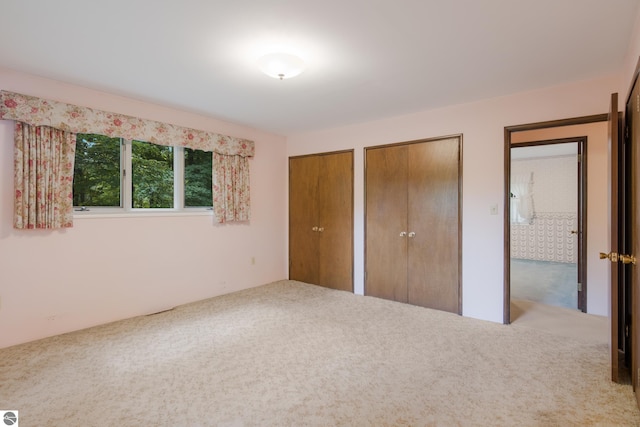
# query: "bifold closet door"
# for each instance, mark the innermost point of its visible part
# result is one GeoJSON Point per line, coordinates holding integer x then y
{"type": "Point", "coordinates": [412, 223]}
{"type": "Point", "coordinates": [335, 208]}
{"type": "Point", "coordinates": [321, 219]}
{"type": "Point", "coordinates": [433, 215]}
{"type": "Point", "coordinates": [303, 217]}
{"type": "Point", "coordinates": [386, 223]}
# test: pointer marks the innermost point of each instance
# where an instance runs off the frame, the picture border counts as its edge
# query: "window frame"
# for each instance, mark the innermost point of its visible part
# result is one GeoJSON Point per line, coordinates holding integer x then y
{"type": "Point", "coordinates": [126, 191]}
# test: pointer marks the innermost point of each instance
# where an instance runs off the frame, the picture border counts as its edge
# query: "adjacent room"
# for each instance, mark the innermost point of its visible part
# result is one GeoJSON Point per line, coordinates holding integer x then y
{"type": "Point", "coordinates": [544, 224]}
{"type": "Point", "coordinates": [300, 213]}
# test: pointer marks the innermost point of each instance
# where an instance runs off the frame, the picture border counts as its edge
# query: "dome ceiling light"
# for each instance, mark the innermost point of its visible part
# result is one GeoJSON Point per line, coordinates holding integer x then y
{"type": "Point", "coordinates": [281, 65]}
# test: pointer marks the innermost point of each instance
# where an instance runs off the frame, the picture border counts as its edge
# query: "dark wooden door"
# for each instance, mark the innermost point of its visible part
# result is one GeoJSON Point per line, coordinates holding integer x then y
{"type": "Point", "coordinates": [433, 225]}
{"type": "Point", "coordinates": [614, 223]}
{"type": "Point", "coordinates": [412, 223]}
{"type": "Point", "coordinates": [623, 222]}
{"type": "Point", "coordinates": [632, 122]}
{"type": "Point", "coordinates": [303, 217]}
{"type": "Point", "coordinates": [321, 219]}
{"type": "Point", "coordinates": [581, 228]}
{"type": "Point", "coordinates": [386, 223]}
{"type": "Point", "coordinates": [335, 221]}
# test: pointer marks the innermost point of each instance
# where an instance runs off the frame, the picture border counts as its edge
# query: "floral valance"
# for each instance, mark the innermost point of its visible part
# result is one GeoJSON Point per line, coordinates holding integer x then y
{"type": "Point", "coordinates": [72, 118]}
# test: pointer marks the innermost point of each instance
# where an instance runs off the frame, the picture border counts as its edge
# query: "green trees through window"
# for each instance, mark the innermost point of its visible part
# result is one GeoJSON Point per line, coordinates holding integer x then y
{"type": "Point", "coordinates": [100, 175]}
{"type": "Point", "coordinates": [96, 176]}
{"type": "Point", "coordinates": [197, 178]}
{"type": "Point", "coordinates": [152, 175]}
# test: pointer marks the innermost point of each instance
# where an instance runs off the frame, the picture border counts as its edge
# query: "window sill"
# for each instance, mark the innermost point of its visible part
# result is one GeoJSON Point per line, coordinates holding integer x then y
{"type": "Point", "coordinates": [139, 214]}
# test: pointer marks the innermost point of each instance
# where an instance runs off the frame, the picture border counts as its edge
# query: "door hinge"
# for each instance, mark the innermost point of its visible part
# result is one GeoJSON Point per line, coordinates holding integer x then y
{"type": "Point", "coordinates": [579, 287]}
{"type": "Point", "coordinates": [626, 331]}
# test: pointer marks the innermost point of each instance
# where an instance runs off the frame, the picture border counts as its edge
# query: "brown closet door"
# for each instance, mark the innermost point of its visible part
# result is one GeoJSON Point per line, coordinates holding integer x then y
{"type": "Point", "coordinates": [433, 215]}
{"type": "Point", "coordinates": [303, 216]}
{"type": "Point", "coordinates": [335, 208]}
{"type": "Point", "coordinates": [386, 219]}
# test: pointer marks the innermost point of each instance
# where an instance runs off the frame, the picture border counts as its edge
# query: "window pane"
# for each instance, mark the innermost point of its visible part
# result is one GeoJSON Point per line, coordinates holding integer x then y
{"type": "Point", "coordinates": [197, 178]}
{"type": "Point", "coordinates": [96, 176]}
{"type": "Point", "coordinates": [152, 175]}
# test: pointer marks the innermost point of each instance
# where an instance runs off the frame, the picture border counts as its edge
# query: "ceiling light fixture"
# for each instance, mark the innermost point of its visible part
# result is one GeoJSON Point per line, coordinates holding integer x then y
{"type": "Point", "coordinates": [281, 65]}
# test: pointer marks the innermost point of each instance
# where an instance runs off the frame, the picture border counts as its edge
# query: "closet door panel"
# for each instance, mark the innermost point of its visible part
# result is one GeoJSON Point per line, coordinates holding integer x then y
{"type": "Point", "coordinates": [433, 215]}
{"type": "Point", "coordinates": [303, 216]}
{"type": "Point", "coordinates": [386, 219]}
{"type": "Point", "coordinates": [335, 238]}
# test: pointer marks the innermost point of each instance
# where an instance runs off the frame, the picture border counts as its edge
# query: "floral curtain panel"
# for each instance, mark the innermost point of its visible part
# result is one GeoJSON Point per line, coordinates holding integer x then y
{"type": "Point", "coordinates": [230, 154]}
{"type": "Point", "coordinates": [43, 177]}
{"type": "Point", "coordinates": [230, 188]}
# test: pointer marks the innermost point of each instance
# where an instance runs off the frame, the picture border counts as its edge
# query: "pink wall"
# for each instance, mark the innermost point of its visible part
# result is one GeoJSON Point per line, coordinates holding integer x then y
{"type": "Point", "coordinates": [106, 269]}
{"type": "Point", "coordinates": [482, 125]}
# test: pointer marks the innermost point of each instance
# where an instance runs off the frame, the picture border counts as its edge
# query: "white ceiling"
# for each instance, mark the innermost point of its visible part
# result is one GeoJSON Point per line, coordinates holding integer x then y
{"type": "Point", "coordinates": [366, 59]}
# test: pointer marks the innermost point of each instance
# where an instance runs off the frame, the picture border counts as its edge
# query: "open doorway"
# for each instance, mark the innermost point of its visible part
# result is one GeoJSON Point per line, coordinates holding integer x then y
{"type": "Point", "coordinates": [547, 238]}
{"type": "Point", "coordinates": [594, 128]}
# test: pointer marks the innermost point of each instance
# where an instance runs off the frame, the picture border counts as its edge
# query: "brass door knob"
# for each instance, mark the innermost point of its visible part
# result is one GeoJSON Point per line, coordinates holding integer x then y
{"type": "Point", "coordinates": [627, 259]}
{"type": "Point", "coordinates": [612, 256]}
{"type": "Point", "coordinates": [412, 234]}
{"type": "Point", "coordinates": [403, 234]}
{"type": "Point", "coordinates": [314, 229]}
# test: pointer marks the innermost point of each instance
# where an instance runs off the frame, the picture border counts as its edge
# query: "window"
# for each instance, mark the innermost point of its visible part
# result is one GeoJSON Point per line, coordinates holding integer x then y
{"type": "Point", "coordinates": [112, 174]}
{"type": "Point", "coordinates": [151, 175]}
{"type": "Point", "coordinates": [198, 189]}
{"type": "Point", "coordinates": [97, 171]}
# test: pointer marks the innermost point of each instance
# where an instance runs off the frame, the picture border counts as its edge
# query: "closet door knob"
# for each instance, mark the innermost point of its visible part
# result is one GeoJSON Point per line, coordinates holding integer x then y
{"type": "Point", "coordinates": [320, 229]}
{"type": "Point", "coordinates": [412, 234]}
{"type": "Point", "coordinates": [314, 229]}
{"type": "Point", "coordinates": [403, 234]}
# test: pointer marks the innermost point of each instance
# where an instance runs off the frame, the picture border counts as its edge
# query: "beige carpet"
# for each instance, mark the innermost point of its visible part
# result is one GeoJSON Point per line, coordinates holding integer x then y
{"type": "Point", "coordinates": [560, 321]}
{"type": "Point", "coordinates": [290, 354]}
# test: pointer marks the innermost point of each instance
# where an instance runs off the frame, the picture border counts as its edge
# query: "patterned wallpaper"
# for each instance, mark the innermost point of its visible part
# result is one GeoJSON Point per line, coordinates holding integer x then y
{"type": "Point", "coordinates": [549, 238]}
{"type": "Point", "coordinates": [555, 194]}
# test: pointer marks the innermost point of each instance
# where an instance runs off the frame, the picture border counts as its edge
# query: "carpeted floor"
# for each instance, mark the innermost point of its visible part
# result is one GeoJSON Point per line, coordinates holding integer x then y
{"type": "Point", "coordinates": [560, 321]}
{"type": "Point", "coordinates": [291, 354]}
